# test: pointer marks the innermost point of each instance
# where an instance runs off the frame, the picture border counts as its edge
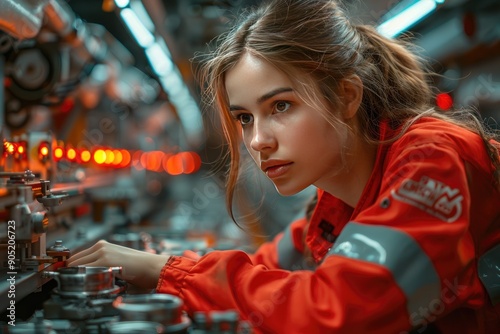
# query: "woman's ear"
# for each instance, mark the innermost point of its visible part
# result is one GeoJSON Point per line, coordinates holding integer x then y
{"type": "Point", "coordinates": [351, 93]}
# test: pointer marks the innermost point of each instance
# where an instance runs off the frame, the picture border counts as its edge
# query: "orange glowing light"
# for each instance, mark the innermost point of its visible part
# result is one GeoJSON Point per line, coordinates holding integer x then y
{"type": "Point", "coordinates": [58, 153]}
{"type": "Point", "coordinates": [144, 159]}
{"type": "Point", "coordinates": [110, 157]}
{"type": "Point", "coordinates": [71, 154]}
{"type": "Point", "coordinates": [117, 157]}
{"type": "Point", "coordinates": [153, 160]}
{"type": "Point", "coordinates": [20, 149]}
{"type": "Point", "coordinates": [164, 161]}
{"type": "Point", "coordinates": [9, 147]}
{"type": "Point", "coordinates": [197, 161]}
{"type": "Point", "coordinates": [43, 150]}
{"type": "Point", "coordinates": [125, 158]}
{"type": "Point", "coordinates": [99, 156]}
{"type": "Point", "coordinates": [187, 162]}
{"type": "Point", "coordinates": [85, 156]}
{"type": "Point", "coordinates": [175, 165]}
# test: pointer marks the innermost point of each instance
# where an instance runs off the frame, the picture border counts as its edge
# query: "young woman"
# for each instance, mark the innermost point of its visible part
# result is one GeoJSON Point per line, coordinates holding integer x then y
{"type": "Point", "coordinates": [405, 233]}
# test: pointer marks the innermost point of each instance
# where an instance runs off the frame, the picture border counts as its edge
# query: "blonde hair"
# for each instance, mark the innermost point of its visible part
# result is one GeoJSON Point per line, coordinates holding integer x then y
{"type": "Point", "coordinates": [316, 45]}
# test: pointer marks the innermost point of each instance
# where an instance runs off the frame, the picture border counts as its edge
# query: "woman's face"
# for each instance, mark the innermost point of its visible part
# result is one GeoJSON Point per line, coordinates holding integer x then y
{"type": "Point", "coordinates": [290, 141]}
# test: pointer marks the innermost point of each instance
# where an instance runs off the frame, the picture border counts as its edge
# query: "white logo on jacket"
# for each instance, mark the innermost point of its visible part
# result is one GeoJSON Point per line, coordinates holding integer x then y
{"type": "Point", "coordinates": [434, 197]}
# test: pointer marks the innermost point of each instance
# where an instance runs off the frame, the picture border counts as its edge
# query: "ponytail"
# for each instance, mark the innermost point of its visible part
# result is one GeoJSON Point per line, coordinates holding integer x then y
{"type": "Point", "coordinates": [395, 85]}
{"type": "Point", "coordinates": [396, 89]}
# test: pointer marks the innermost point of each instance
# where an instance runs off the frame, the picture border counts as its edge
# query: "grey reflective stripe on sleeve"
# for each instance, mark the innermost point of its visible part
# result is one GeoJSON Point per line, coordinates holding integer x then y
{"type": "Point", "coordinates": [399, 253]}
{"type": "Point", "coordinates": [289, 258]}
{"type": "Point", "coordinates": [489, 273]}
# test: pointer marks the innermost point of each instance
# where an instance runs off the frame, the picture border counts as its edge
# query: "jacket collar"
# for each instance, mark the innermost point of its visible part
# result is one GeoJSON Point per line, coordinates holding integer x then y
{"type": "Point", "coordinates": [332, 214]}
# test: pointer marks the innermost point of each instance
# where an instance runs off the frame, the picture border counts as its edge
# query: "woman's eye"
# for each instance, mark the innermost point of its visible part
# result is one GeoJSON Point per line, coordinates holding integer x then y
{"type": "Point", "coordinates": [245, 118]}
{"type": "Point", "coordinates": [282, 106]}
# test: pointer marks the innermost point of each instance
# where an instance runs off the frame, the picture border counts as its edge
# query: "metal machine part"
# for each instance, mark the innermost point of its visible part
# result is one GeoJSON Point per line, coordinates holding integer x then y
{"type": "Point", "coordinates": [22, 18]}
{"type": "Point", "coordinates": [75, 281]}
{"type": "Point", "coordinates": [24, 204]}
{"type": "Point", "coordinates": [153, 308]}
{"type": "Point", "coordinates": [86, 299]}
{"type": "Point", "coordinates": [162, 308]}
{"type": "Point", "coordinates": [27, 221]}
{"type": "Point", "coordinates": [131, 327]}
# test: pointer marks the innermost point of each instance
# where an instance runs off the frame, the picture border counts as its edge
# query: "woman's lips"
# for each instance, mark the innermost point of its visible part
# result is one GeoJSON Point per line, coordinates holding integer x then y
{"type": "Point", "coordinates": [278, 170]}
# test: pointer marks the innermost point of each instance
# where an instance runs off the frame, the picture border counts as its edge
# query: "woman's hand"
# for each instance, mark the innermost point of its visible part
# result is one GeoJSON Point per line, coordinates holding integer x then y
{"type": "Point", "coordinates": [139, 268]}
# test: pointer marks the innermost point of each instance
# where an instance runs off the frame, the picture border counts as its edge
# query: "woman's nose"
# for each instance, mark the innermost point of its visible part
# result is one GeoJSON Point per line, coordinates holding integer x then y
{"type": "Point", "coordinates": [262, 137]}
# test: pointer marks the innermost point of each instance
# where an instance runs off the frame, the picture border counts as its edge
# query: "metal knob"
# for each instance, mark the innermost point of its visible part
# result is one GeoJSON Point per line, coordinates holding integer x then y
{"type": "Point", "coordinates": [40, 222]}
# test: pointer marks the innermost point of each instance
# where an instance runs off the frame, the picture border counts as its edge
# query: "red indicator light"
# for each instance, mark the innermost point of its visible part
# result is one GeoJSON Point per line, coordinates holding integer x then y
{"type": "Point", "coordinates": [85, 156]}
{"type": "Point", "coordinates": [20, 150]}
{"type": "Point", "coordinates": [197, 161]}
{"type": "Point", "coordinates": [187, 162]}
{"type": "Point", "coordinates": [125, 158]}
{"type": "Point", "coordinates": [99, 156]}
{"type": "Point", "coordinates": [58, 153]}
{"type": "Point", "coordinates": [67, 105]}
{"type": "Point", "coordinates": [175, 165]}
{"type": "Point", "coordinates": [117, 157]}
{"type": "Point", "coordinates": [110, 157]}
{"type": "Point", "coordinates": [153, 160]}
{"type": "Point", "coordinates": [444, 101]}
{"type": "Point", "coordinates": [43, 151]}
{"type": "Point", "coordinates": [71, 154]}
{"type": "Point", "coordinates": [8, 147]}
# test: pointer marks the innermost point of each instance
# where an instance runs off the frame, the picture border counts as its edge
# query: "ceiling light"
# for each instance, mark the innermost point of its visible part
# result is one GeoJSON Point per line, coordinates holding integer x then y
{"type": "Point", "coordinates": [122, 3]}
{"type": "Point", "coordinates": [407, 17]}
{"type": "Point", "coordinates": [141, 34]}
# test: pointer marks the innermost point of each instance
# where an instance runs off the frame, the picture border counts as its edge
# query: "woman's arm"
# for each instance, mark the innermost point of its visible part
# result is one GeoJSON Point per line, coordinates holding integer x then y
{"type": "Point", "coordinates": [139, 268]}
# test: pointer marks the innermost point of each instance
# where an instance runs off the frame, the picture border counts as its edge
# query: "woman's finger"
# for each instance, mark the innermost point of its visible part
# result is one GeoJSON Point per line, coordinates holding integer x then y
{"type": "Point", "coordinates": [82, 260]}
{"type": "Point", "coordinates": [91, 250]}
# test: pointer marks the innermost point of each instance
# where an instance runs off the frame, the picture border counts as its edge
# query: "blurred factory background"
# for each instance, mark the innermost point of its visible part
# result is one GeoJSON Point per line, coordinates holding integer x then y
{"type": "Point", "coordinates": [104, 136]}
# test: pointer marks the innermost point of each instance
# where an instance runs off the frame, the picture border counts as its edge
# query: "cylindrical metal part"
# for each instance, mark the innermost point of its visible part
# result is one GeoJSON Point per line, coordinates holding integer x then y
{"type": "Point", "coordinates": [132, 327]}
{"type": "Point", "coordinates": [60, 17]}
{"type": "Point", "coordinates": [163, 308]}
{"type": "Point", "coordinates": [22, 19]}
{"type": "Point", "coordinates": [40, 222]}
{"type": "Point", "coordinates": [84, 279]}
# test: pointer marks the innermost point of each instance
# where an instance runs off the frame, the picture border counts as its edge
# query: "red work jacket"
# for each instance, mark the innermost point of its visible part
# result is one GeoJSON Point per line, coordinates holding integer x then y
{"type": "Point", "coordinates": [418, 252]}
